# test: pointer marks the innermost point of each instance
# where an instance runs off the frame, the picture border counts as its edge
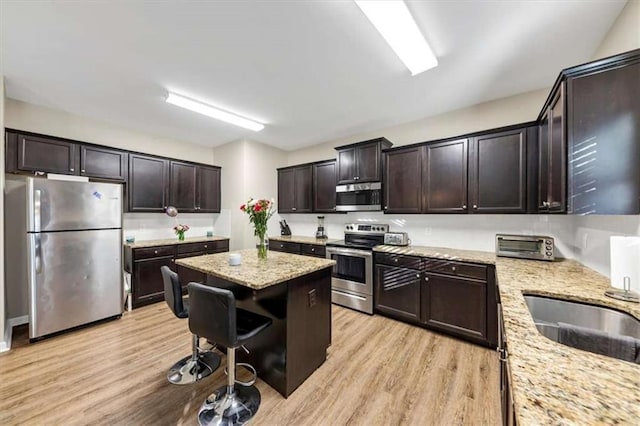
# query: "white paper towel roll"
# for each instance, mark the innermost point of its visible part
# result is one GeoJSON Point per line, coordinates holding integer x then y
{"type": "Point", "coordinates": [625, 261]}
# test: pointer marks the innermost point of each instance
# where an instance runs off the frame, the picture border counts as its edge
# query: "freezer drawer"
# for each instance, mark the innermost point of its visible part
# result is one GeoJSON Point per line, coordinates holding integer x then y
{"type": "Point", "coordinates": [74, 278]}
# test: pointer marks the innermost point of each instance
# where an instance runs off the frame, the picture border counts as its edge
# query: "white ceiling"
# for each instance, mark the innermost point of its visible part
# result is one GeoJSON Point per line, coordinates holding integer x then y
{"type": "Point", "coordinates": [311, 70]}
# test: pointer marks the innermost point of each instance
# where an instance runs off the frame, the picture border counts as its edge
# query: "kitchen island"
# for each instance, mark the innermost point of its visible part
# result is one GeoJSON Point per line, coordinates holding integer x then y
{"type": "Point", "coordinates": [295, 292]}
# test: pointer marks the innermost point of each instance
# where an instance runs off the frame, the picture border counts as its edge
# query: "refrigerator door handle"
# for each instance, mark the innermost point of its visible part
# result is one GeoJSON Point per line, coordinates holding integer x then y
{"type": "Point", "coordinates": [37, 197]}
{"type": "Point", "coordinates": [37, 253]}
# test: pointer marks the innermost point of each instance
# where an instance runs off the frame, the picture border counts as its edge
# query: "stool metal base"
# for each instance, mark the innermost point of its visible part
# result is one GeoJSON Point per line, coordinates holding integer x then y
{"type": "Point", "coordinates": [222, 408]}
{"type": "Point", "coordinates": [187, 371]}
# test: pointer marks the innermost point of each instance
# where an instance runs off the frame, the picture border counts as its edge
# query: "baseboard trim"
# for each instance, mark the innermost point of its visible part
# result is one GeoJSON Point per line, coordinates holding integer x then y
{"type": "Point", "coordinates": [8, 332]}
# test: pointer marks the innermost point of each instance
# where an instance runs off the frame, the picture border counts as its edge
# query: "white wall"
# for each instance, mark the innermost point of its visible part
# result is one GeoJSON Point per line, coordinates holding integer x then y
{"type": "Point", "coordinates": [488, 115]}
{"type": "Point", "coordinates": [624, 34]}
{"type": "Point", "coordinates": [152, 226]}
{"type": "Point", "coordinates": [38, 119]}
{"type": "Point", "coordinates": [3, 344]}
{"type": "Point", "coordinates": [250, 172]}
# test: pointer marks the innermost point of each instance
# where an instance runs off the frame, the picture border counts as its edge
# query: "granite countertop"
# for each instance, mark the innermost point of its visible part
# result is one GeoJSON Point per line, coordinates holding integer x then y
{"type": "Point", "coordinates": [172, 241]}
{"type": "Point", "coordinates": [301, 239]}
{"type": "Point", "coordinates": [254, 273]}
{"type": "Point", "coordinates": [554, 383]}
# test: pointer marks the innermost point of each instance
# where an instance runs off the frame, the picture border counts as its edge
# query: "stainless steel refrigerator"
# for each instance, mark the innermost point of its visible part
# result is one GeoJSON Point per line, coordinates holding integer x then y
{"type": "Point", "coordinates": [73, 233]}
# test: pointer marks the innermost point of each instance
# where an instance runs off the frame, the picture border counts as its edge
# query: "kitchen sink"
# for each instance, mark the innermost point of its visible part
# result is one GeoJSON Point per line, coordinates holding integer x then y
{"type": "Point", "coordinates": [548, 312]}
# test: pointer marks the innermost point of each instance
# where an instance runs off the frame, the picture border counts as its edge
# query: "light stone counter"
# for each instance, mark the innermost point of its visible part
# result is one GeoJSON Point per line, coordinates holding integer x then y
{"type": "Point", "coordinates": [301, 239]}
{"type": "Point", "coordinates": [172, 241]}
{"type": "Point", "coordinates": [253, 272]}
{"type": "Point", "coordinates": [554, 383]}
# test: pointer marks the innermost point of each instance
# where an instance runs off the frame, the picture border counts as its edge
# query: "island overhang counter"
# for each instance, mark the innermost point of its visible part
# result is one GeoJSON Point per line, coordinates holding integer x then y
{"type": "Point", "coordinates": [295, 292]}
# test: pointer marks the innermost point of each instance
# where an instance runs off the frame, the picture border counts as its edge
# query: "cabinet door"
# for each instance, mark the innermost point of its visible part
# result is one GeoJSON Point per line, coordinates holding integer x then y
{"type": "Point", "coordinates": [303, 189]}
{"type": "Point", "coordinates": [557, 154]}
{"type": "Point", "coordinates": [37, 154]}
{"type": "Point", "coordinates": [324, 187]}
{"type": "Point", "coordinates": [208, 193]}
{"type": "Point", "coordinates": [346, 166]}
{"type": "Point", "coordinates": [397, 292]}
{"type": "Point", "coordinates": [148, 286]}
{"type": "Point", "coordinates": [103, 163]}
{"type": "Point", "coordinates": [403, 181]}
{"type": "Point", "coordinates": [604, 146]}
{"type": "Point", "coordinates": [368, 163]}
{"type": "Point", "coordinates": [148, 183]}
{"type": "Point", "coordinates": [456, 305]}
{"type": "Point", "coordinates": [445, 177]}
{"type": "Point", "coordinates": [543, 163]}
{"type": "Point", "coordinates": [497, 172]}
{"type": "Point", "coordinates": [183, 187]}
{"type": "Point", "coordinates": [286, 196]}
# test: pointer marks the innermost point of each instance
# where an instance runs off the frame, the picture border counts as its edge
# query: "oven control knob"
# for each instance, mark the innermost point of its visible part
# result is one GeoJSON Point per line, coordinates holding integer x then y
{"type": "Point", "coordinates": [548, 247]}
{"type": "Point", "coordinates": [549, 253]}
{"type": "Point", "coordinates": [548, 241]}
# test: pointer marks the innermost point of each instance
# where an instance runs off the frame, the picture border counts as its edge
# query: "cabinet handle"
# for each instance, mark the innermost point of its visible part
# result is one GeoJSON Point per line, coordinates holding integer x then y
{"type": "Point", "coordinates": [426, 278]}
{"type": "Point", "coordinates": [83, 171]}
{"type": "Point", "coordinates": [205, 246]}
{"type": "Point", "coordinates": [545, 204]}
{"type": "Point", "coordinates": [395, 260]}
{"type": "Point", "coordinates": [386, 207]}
{"type": "Point", "coordinates": [293, 209]}
{"type": "Point", "coordinates": [39, 173]}
{"type": "Point", "coordinates": [453, 268]}
{"type": "Point", "coordinates": [172, 260]}
{"type": "Point", "coordinates": [155, 252]}
{"type": "Point", "coordinates": [464, 206]}
{"type": "Point", "coordinates": [417, 275]}
{"type": "Point", "coordinates": [475, 206]}
{"type": "Point", "coordinates": [71, 170]}
{"type": "Point", "coordinates": [313, 249]}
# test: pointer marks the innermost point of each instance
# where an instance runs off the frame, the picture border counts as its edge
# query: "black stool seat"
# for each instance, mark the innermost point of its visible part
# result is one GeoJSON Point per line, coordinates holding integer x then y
{"type": "Point", "coordinates": [199, 364]}
{"type": "Point", "coordinates": [213, 315]}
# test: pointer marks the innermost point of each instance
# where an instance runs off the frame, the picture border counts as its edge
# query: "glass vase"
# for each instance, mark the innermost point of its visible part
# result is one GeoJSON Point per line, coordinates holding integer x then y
{"type": "Point", "coordinates": [262, 244]}
{"type": "Point", "coordinates": [180, 236]}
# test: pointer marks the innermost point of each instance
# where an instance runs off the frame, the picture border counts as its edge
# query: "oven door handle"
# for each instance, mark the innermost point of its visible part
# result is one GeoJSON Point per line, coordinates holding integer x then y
{"type": "Point", "coordinates": [349, 252]}
{"type": "Point", "coordinates": [352, 296]}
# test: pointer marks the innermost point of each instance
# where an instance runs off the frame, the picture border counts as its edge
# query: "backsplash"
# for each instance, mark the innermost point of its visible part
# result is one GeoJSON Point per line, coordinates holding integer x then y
{"type": "Point", "coordinates": [151, 226]}
{"type": "Point", "coordinates": [471, 232]}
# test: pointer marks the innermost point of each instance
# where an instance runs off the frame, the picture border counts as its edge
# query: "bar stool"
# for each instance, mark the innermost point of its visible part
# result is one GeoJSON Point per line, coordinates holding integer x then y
{"type": "Point", "coordinates": [199, 364]}
{"type": "Point", "coordinates": [214, 316]}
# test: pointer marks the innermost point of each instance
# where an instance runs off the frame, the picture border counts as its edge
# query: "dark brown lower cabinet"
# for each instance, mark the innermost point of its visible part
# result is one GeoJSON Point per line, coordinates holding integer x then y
{"type": "Point", "coordinates": [454, 304]}
{"type": "Point", "coordinates": [397, 292]}
{"type": "Point", "coordinates": [456, 298]}
{"type": "Point", "coordinates": [146, 280]}
{"type": "Point", "coordinates": [144, 265]}
{"type": "Point", "coordinates": [291, 247]}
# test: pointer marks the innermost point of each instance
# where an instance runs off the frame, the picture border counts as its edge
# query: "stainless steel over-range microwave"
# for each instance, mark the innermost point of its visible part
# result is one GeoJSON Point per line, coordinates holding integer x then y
{"type": "Point", "coordinates": [525, 246]}
{"type": "Point", "coordinates": [359, 197]}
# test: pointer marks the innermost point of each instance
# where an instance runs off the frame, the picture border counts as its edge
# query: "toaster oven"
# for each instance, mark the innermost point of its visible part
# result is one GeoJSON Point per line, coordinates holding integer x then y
{"type": "Point", "coordinates": [525, 246]}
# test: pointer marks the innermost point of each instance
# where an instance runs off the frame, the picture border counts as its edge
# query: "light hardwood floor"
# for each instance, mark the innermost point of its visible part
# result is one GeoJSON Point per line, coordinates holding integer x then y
{"type": "Point", "coordinates": [378, 372]}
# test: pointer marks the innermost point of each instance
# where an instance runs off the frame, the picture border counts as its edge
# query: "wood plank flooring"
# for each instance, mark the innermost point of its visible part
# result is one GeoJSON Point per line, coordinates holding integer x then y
{"type": "Point", "coordinates": [378, 372]}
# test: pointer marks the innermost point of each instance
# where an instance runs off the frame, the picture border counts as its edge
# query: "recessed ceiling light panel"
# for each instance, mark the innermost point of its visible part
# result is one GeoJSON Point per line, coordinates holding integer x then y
{"type": "Point", "coordinates": [396, 25]}
{"type": "Point", "coordinates": [213, 112]}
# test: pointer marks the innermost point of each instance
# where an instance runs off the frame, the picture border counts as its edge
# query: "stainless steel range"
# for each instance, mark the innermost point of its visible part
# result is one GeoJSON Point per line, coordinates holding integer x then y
{"type": "Point", "coordinates": [352, 276]}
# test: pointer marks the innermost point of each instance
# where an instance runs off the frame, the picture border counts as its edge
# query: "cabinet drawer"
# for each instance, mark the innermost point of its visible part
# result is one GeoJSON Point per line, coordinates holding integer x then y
{"type": "Point", "coordinates": [149, 252]}
{"type": "Point", "coordinates": [217, 246]}
{"type": "Point", "coordinates": [284, 246]}
{"type": "Point", "coordinates": [460, 269]}
{"type": "Point", "coordinates": [313, 250]}
{"type": "Point", "coordinates": [399, 260]}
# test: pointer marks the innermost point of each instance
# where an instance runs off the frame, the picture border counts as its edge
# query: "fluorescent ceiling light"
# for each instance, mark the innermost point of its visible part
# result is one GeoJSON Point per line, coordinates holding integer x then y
{"type": "Point", "coordinates": [212, 112]}
{"type": "Point", "coordinates": [395, 23]}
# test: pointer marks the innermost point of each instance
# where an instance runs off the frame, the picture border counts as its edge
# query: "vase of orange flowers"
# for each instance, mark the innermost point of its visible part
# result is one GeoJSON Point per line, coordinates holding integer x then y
{"type": "Point", "coordinates": [180, 230]}
{"type": "Point", "coordinates": [259, 211]}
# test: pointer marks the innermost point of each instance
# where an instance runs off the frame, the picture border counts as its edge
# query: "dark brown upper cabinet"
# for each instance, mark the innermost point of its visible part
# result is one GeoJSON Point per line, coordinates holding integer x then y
{"type": "Point", "coordinates": [182, 186]}
{"type": "Point", "coordinates": [603, 120]}
{"type": "Point", "coordinates": [208, 189]}
{"type": "Point", "coordinates": [40, 154]}
{"type": "Point", "coordinates": [148, 183]}
{"type": "Point", "coordinates": [552, 149]}
{"type": "Point", "coordinates": [403, 168]}
{"type": "Point", "coordinates": [324, 186]}
{"type": "Point", "coordinates": [361, 162]}
{"type": "Point", "coordinates": [103, 163]}
{"type": "Point", "coordinates": [445, 177]}
{"type": "Point", "coordinates": [295, 189]}
{"type": "Point", "coordinates": [498, 172]}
